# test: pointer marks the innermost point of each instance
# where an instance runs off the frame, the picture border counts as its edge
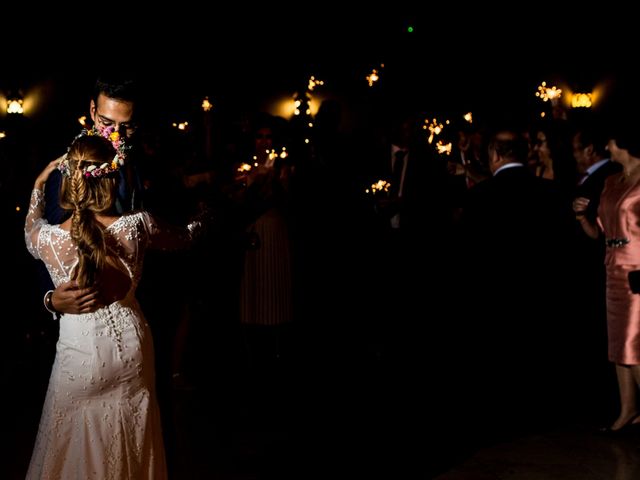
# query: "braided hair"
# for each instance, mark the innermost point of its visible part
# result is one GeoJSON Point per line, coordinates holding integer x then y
{"type": "Point", "coordinates": [87, 196]}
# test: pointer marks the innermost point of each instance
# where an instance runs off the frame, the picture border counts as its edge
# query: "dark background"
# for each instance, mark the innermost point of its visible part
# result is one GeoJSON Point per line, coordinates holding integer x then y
{"type": "Point", "coordinates": [456, 59]}
{"type": "Point", "coordinates": [483, 59]}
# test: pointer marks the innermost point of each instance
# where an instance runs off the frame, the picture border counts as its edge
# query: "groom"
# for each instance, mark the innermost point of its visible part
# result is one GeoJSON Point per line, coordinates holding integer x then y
{"type": "Point", "coordinates": [112, 105]}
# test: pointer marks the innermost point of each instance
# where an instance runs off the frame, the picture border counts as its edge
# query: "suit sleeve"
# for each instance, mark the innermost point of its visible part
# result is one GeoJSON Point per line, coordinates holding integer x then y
{"type": "Point", "coordinates": [53, 212]}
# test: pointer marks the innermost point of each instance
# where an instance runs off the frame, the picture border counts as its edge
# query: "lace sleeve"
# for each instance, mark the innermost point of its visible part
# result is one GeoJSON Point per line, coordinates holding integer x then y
{"type": "Point", "coordinates": [163, 236]}
{"type": "Point", "coordinates": [34, 222]}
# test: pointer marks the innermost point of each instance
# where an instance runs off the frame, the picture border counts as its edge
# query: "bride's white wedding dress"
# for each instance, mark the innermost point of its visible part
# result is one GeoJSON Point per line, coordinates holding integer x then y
{"type": "Point", "coordinates": [100, 418]}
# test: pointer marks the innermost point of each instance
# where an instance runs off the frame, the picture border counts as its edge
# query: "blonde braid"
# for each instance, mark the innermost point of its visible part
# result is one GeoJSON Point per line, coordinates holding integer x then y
{"type": "Point", "coordinates": [86, 231]}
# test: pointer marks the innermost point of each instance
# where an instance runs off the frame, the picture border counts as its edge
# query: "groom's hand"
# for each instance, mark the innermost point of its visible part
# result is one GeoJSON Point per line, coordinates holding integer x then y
{"type": "Point", "coordinates": [68, 298]}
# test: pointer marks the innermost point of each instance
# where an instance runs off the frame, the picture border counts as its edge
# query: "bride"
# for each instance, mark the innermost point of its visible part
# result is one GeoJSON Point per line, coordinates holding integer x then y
{"type": "Point", "coordinates": [100, 418]}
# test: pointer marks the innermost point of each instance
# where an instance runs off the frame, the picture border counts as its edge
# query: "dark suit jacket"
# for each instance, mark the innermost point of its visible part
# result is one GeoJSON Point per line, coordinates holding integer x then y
{"type": "Point", "coordinates": [517, 246]}
{"type": "Point", "coordinates": [590, 268]}
{"type": "Point", "coordinates": [516, 217]}
{"type": "Point", "coordinates": [517, 294]}
{"type": "Point", "coordinates": [423, 205]}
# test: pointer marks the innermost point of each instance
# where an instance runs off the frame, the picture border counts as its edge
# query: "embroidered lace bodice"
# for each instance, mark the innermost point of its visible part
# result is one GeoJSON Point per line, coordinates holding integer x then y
{"type": "Point", "coordinates": [127, 239]}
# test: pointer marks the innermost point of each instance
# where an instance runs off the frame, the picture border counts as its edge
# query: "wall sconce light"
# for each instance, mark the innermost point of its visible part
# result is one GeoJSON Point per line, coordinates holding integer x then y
{"type": "Point", "coordinates": [14, 105]}
{"type": "Point", "coordinates": [582, 100]}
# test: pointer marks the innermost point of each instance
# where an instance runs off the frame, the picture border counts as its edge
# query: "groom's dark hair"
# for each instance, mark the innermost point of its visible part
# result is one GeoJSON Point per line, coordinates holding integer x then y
{"type": "Point", "coordinates": [118, 87]}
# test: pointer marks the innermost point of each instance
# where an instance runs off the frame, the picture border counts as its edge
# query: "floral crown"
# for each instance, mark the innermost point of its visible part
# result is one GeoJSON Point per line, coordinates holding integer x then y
{"type": "Point", "coordinates": [106, 168]}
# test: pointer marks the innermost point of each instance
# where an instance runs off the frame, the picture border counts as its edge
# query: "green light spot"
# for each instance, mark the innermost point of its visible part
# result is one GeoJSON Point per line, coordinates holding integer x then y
{"type": "Point", "coordinates": [410, 29]}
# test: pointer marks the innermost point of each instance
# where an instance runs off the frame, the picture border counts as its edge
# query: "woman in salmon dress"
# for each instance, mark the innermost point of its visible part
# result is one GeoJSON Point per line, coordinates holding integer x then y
{"type": "Point", "coordinates": [619, 223]}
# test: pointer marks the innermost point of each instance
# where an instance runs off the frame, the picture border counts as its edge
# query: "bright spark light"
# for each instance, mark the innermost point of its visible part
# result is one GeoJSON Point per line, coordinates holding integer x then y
{"type": "Point", "coordinates": [373, 77]}
{"type": "Point", "coordinates": [443, 147]}
{"type": "Point", "coordinates": [313, 83]}
{"type": "Point", "coordinates": [379, 186]}
{"type": "Point", "coordinates": [434, 128]}
{"type": "Point", "coordinates": [548, 93]}
{"type": "Point", "coordinates": [206, 104]}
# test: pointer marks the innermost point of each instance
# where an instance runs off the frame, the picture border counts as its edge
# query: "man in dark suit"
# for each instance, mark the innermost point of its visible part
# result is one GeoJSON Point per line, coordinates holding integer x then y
{"type": "Point", "coordinates": [405, 230]}
{"type": "Point", "coordinates": [112, 105]}
{"type": "Point", "coordinates": [416, 199]}
{"type": "Point", "coordinates": [514, 216]}
{"type": "Point", "coordinates": [594, 166]}
{"type": "Point", "coordinates": [593, 163]}
{"type": "Point", "coordinates": [516, 230]}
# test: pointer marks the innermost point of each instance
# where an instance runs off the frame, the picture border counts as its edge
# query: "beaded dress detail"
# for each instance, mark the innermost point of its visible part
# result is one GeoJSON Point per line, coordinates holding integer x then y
{"type": "Point", "coordinates": [100, 418]}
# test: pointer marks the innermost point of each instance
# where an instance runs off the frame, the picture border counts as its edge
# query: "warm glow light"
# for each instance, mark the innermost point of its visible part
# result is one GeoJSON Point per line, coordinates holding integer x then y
{"type": "Point", "coordinates": [379, 186]}
{"type": "Point", "coordinates": [181, 126]}
{"type": "Point", "coordinates": [468, 117]}
{"type": "Point", "coordinates": [18, 208]}
{"type": "Point", "coordinates": [443, 147]}
{"type": "Point", "coordinates": [434, 128]}
{"type": "Point", "coordinates": [24, 103]}
{"type": "Point", "coordinates": [3, 134]}
{"type": "Point", "coordinates": [83, 120]}
{"type": "Point", "coordinates": [581, 100]}
{"type": "Point", "coordinates": [15, 106]}
{"type": "Point", "coordinates": [313, 83]}
{"type": "Point", "coordinates": [245, 167]}
{"type": "Point", "coordinates": [373, 77]}
{"type": "Point", "coordinates": [287, 107]}
{"type": "Point", "coordinates": [206, 104]}
{"type": "Point", "coordinates": [548, 93]}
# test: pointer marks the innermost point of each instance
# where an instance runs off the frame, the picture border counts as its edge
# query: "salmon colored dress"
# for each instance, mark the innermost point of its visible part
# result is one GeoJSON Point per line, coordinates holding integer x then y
{"type": "Point", "coordinates": [619, 218]}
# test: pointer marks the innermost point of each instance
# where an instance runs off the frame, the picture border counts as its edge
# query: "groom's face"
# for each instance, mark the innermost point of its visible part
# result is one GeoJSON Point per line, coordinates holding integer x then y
{"type": "Point", "coordinates": [112, 112]}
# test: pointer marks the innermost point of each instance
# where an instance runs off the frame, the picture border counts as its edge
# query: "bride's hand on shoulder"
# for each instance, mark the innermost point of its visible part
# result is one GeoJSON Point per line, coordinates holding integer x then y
{"type": "Point", "coordinates": [44, 175]}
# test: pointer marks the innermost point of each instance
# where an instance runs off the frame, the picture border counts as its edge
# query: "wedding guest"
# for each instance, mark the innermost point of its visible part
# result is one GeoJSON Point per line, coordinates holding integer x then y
{"type": "Point", "coordinates": [618, 220]}
{"type": "Point", "coordinates": [516, 228]}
